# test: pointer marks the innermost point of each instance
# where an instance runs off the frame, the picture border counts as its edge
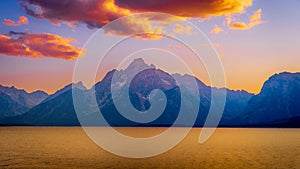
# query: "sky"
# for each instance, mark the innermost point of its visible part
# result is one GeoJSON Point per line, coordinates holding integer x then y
{"type": "Point", "coordinates": [41, 41]}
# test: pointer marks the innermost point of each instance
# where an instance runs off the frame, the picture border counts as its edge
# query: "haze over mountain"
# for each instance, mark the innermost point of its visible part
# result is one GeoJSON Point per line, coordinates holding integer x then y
{"type": "Point", "coordinates": [241, 108]}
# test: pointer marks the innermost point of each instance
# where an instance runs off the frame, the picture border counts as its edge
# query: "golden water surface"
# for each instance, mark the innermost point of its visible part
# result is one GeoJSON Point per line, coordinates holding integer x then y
{"type": "Point", "coordinates": [70, 147]}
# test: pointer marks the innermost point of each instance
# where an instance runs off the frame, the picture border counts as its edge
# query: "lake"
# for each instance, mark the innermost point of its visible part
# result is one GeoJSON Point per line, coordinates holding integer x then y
{"type": "Point", "coordinates": [70, 147]}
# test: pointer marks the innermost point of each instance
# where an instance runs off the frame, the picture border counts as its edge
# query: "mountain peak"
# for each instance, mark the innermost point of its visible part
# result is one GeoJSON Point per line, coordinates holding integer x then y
{"type": "Point", "coordinates": [78, 85]}
{"type": "Point", "coordinates": [138, 60]}
{"type": "Point", "coordinates": [137, 63]}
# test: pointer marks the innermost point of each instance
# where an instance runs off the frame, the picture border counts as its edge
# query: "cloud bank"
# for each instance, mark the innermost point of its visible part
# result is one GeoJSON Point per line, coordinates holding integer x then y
{"type": "Point", "coordinates": [96, 13]}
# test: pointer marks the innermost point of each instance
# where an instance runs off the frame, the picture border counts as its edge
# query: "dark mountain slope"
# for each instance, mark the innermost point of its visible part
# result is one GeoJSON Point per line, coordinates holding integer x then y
{"type": "Point", "coordinates": [278, 101]}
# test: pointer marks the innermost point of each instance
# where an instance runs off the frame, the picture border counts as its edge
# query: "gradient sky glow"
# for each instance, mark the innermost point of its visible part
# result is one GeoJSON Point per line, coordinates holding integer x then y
{"type": "Point", "coordinates": [249, 55]}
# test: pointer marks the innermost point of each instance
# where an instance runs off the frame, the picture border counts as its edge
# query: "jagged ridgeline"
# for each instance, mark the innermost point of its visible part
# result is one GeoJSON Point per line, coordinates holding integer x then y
{"type": "Point", "coordinates": [277, 105]}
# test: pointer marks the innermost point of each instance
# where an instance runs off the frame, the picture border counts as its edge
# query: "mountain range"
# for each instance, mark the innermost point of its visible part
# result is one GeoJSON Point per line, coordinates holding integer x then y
{"type": "Point", "coordinates": [277, 104]}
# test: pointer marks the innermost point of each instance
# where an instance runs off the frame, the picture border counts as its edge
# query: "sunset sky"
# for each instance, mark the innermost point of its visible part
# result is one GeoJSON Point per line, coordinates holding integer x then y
{"type": "Point", "coordinates": [40, 41]}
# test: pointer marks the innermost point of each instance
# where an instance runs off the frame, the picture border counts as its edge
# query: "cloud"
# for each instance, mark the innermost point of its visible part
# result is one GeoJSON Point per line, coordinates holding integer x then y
{"type": "Point", "coordinates": [216, 30]}
{"type": "Point", "coordinates": [182, 29]}
{"type": "Point", "coordinates": [204, 44]}
{"type": "Point", "coordinates": [254, 20]}
{"type": "Point", "coordinates": [16, 33]}
{"type": "Point", "coordinates": [22, 20]}
{"type": "Point", "coordinates": [13, 47]}
{"type": "Point", "coordinates": [187, 8]}
{"type": "Point", "coordinates": [139, 27]}
{"type": "Point", "coordinates": [94, 13]}
{"type": "Point", "coordinates": [71, 24]}
{"type": "Point", "coordinates": [44, 45]}
{"type": "Point", "coordinates": [9, 22]}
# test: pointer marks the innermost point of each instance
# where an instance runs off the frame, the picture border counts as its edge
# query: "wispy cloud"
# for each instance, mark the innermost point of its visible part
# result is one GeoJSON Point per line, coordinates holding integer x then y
{"type": "Point", "coordinates": [182, 29]}
{"type": "Point", "coordinates": [22, 20]}
{"type": "Point", "coordinates": [254, 20]}
{"type": "Point", "coordinates": [216, 30]}
{"type": "Point", "coordinates": [132, 25]}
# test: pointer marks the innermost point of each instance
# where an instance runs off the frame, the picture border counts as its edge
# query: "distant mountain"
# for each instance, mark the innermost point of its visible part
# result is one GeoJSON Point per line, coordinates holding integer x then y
{"type": "Point", "coordinates": [15, 102]}
{"type": "Point", "coordinates": [24, 98]}
{"type": "Point", "coordinates": [9, 107]}
{"type": "Point", "coordinates": [56, 110]}
{"type": "Point", "coordinates": [278, 101]}
{"type": "Point", "coordinates": [275, 106]}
